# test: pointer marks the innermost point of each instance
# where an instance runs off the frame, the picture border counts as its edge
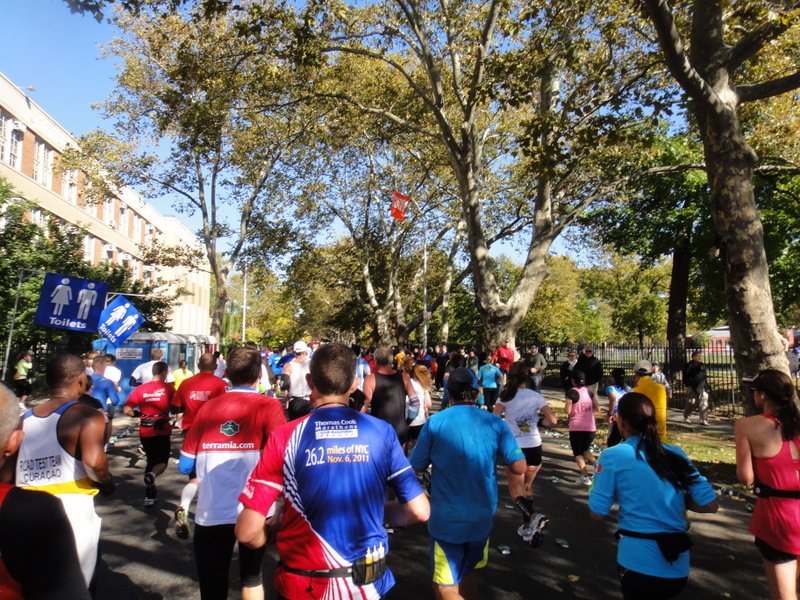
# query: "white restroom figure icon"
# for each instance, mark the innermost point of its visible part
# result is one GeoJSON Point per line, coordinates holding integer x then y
{"type": "Point", "coordinates": [87, 298]}
{"type": "Point", "coordinates": [61, 296]}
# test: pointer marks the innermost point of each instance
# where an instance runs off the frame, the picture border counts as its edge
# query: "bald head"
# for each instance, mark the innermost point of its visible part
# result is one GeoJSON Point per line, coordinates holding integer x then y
{"type": "Point", "coordinates": [9, 416]}
{"type": "Point", "coordinates": [207, 363]}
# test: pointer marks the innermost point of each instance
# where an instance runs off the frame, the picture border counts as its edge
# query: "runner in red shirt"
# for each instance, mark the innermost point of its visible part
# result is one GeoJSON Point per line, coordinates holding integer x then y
{"type": "Point", "coordinates": [193, 393]}
{"type": "Point", "coordinates": [153, 400]}
{"type": "Point", "coordinates": [504, 356]}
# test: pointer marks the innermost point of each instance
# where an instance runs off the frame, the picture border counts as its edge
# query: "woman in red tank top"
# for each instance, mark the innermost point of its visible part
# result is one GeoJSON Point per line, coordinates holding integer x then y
{"type": "Point", "coordinates": [768, 455]}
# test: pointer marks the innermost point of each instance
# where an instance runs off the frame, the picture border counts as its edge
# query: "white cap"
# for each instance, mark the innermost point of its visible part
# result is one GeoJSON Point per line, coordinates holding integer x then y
{"type": "Point", "coordinates": [300, 346]}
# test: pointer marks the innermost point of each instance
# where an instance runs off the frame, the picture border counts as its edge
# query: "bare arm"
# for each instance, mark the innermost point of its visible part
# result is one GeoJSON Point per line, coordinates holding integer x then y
{"type": "Point", "coordinates": [498, 409]}
{"type": "Point", "coordinates": [250, 528]}
{"type": "Point", "coordinates": [711, 507]}
{"type": "Point", "coordinates": [416, 510]}
{"type": "Point", "coordinates": [744, 454]}
{"type": "Point", "coordinates": [550, 418]}
{"type": "Point", "coordinates": [128, 410]}
{"type": "Point", "coordinates": [518, 467]}
{"type": "Point", "coordinates": [91, 441]}
{"type": "Point", "coordinates": [369, 389]}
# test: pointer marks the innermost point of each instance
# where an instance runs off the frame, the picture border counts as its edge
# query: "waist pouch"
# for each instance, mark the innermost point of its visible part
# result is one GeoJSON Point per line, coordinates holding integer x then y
{"type": "Point", "coordinates": [670, 544]}
{"type": "Point", "coordinates": [762, 490]}
{"type": "Point", "coordinates": [157, 421]}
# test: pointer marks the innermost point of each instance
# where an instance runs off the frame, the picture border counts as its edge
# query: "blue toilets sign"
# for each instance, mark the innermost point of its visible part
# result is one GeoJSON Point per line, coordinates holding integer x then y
{"type": "Point", "coordinates": [119, 320]}
{"type": "Point", "coordinates": [70, 302]}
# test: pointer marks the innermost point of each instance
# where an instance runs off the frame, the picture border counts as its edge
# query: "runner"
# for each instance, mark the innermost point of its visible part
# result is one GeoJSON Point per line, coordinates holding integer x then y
{"type": "Point", "coordinates": [331, 545]}
{"type": "Point", "coordinates": [386, 391]}
{"type": "Point", "coordinates": [522, 407]}
{"type": "Point", "coordinates": [223, 446]}
{"type": "Point", "coordinates": [580, 406]}
{"type": "Point", "coordinates": [194, 393]}
{"type": "Point", "coordinates": [153, 400]}
{"type": "Point", "coordinates": [59, 431]}
{"type": "Point", "coordinates": [462, 444]}
{"type": "Point", "coordinates": [38, 559]}
{"type": "Point", "coordinates": [298, 392]}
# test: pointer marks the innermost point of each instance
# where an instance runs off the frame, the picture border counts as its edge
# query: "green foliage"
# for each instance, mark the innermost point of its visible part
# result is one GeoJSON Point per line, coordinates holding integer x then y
{"type": "Point", "coordinates": [31, 250]}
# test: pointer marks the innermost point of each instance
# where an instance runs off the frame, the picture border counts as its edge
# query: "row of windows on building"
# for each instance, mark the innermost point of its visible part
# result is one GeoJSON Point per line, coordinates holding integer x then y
{"type": "Point", "coordinates": [122, 219]}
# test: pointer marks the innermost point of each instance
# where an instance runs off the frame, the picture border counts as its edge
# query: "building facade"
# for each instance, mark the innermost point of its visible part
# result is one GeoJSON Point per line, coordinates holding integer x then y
{"type": "Point", "coordinates": [116, 230]}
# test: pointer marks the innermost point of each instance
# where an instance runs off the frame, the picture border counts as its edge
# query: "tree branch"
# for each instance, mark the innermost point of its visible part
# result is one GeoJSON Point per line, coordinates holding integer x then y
{"type": "Point", "coordinates": [751, 44]}
{"type": "Point", "coordinates": [768, 89]}
{"type": "Point", "coordinates": [676, 59]}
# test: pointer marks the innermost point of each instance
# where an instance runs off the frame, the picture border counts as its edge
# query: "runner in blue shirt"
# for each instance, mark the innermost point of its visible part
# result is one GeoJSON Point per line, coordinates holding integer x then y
{"type": "Point", "coordinates": [462, 444]}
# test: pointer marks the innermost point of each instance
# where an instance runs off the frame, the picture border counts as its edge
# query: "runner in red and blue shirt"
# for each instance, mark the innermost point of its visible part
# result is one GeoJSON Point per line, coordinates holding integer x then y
{"type": "Point", "coordinates": [332, 468]}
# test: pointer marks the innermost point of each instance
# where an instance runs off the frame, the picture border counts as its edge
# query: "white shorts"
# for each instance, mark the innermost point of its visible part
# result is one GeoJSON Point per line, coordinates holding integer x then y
{"type": "Point", "coordinates": [86, 528]}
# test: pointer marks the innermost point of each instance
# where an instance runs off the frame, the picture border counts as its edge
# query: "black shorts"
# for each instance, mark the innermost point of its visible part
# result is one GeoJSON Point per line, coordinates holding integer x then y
{"type": "Point", "coordinates": [413, 431]}
{"type": "Point", "coordinates": [580, 441]}
{"type": "Point", "coordinates": [773, 555]}
{"type": "Point", "coordinates": [533, 456]}
{"type": "Point", "coordinates": [157, 450]}
{"type": "Point", "coordinates": [638, 585]}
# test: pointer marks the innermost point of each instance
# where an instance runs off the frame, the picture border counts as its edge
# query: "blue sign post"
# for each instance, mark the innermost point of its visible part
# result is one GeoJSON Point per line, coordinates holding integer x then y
{"type": "Point", "coordinates": [119, 320]}
{"type": "Point", "coordinates": [70, 302]}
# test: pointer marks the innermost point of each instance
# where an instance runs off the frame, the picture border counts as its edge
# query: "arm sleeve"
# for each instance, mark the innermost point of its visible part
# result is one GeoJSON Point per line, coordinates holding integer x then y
{"type": "Point", "coordinates": [601, 495]}
{"type": "Point", "coordinates": [508, 445]}
{"type": "Point", "coordinates": [39, 547]}
{"type": "Point", "coordinates": [402, 478]}
{"type": "Point", "coordinates": [421, 454]}
{"type": "Point", "coordinates": [266, 481]}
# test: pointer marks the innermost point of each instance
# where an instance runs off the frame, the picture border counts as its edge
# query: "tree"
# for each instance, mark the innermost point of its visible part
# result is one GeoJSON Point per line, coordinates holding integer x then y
{"type": "Point", "coordinates": [721, 43]}
{"type": "Point", "coordinates": [28, 250]}
{"type": "Point", "coordinates": [510, 94]}
{"type": "Point", "coordinates": [193, 87]}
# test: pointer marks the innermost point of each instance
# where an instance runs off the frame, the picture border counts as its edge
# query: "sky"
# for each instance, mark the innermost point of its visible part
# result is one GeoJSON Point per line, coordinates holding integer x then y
{"type": "Point", "coordinates": [57, 53]}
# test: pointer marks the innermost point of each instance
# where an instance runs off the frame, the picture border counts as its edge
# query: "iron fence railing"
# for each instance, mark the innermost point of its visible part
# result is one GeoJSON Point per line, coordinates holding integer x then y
{"type": "Point", "coordinates": [723, 384]}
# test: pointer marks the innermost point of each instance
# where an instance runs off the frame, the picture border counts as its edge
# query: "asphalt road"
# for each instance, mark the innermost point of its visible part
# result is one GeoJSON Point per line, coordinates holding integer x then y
{"type": "Point", "coordinates": [142, 559]}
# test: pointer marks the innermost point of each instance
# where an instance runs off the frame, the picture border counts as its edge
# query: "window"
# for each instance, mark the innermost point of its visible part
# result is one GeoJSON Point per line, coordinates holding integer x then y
{"type": "Point", "coordinates": [10, 140]}
{"type": "Point", "coordinates": [43, 164]}
{"type": "Point", "coordinates": [69, 186]}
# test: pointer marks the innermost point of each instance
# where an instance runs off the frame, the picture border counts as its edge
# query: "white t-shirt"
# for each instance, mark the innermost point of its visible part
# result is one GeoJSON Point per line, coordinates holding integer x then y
{"type": "Point", "coordinates": [420, 418]}
{"type": "Point", "coordinates": [522, 416]}
{"type": "Point", "coordinates": [144, 373]}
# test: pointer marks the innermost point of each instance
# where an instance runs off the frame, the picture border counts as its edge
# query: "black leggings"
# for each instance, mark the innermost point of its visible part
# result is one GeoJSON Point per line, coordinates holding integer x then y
{"type": "Point", "coordinates": [213, 550]}
{"type": "Point", "coordinates": [637, 586]}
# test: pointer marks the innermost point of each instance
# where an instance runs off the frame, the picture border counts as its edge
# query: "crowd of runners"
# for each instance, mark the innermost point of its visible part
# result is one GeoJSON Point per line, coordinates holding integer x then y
{"type": "Point", "coordinates": [323, 449]}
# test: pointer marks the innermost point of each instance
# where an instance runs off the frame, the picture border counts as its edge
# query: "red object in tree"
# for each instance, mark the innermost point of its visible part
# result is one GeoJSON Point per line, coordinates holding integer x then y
{"type": "Point", "coordinates": [399, 206]}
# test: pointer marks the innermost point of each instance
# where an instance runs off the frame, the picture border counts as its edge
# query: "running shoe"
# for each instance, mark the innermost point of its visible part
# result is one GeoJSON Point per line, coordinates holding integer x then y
{"type": "Point", "coordinates": [150, 491]}
{"type": "Point", "coordinates": [584, 480]}
{"type": "Point", "coordinates": [525, 532]}
{"type": "Point", "coordinates": [181, 523]}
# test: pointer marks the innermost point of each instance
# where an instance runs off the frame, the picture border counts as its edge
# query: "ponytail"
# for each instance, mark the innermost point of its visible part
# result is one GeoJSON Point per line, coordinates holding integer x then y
{"type": "Point", "coordinates": [515, 378]}
{"type": "Point", "coordinates": [638, 413]}
{"type": "Point", "coordinates": [779, 388]}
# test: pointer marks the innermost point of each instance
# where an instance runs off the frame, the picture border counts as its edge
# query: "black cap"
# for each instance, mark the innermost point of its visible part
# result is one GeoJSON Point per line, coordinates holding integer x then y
{"type": "Point", "coordinates": [461, 380]}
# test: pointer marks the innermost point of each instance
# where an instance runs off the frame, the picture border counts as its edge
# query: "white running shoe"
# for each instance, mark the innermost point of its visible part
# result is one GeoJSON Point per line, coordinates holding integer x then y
{"type": "Point", "coordinates": [525, 532]}
{"type": "Point", "coordinates": [584, 480]}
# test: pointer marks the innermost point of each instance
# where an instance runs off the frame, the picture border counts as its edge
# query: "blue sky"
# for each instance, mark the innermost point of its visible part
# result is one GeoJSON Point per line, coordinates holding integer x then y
{"type": "Point", "coordinates": [57, 53]}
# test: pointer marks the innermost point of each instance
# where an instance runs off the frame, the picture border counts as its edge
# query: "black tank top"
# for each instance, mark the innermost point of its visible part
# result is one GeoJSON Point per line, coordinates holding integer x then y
{"type": "Point", "coordinates": [389, 402]}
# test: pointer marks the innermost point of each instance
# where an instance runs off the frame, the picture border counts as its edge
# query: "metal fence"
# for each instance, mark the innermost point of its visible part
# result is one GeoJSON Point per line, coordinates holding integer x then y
{"type": "Point", "coordinates": [723, 384]}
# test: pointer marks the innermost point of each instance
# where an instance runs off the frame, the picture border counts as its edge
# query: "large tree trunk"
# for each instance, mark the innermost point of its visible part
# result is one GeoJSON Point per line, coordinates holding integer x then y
{"type": "Point", "coordinates": [740, 236]}
{"type": "Point", "coordinates": [678, 298]}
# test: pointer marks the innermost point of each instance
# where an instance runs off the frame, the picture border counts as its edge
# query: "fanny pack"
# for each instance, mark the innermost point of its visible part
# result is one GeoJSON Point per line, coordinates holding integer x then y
{"type": "Point", "coordinates": [762, 490]}
{"type": "Point", "coordinates": [670, 544]}
{"type": "Point", "coordinates": [157, 421]}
